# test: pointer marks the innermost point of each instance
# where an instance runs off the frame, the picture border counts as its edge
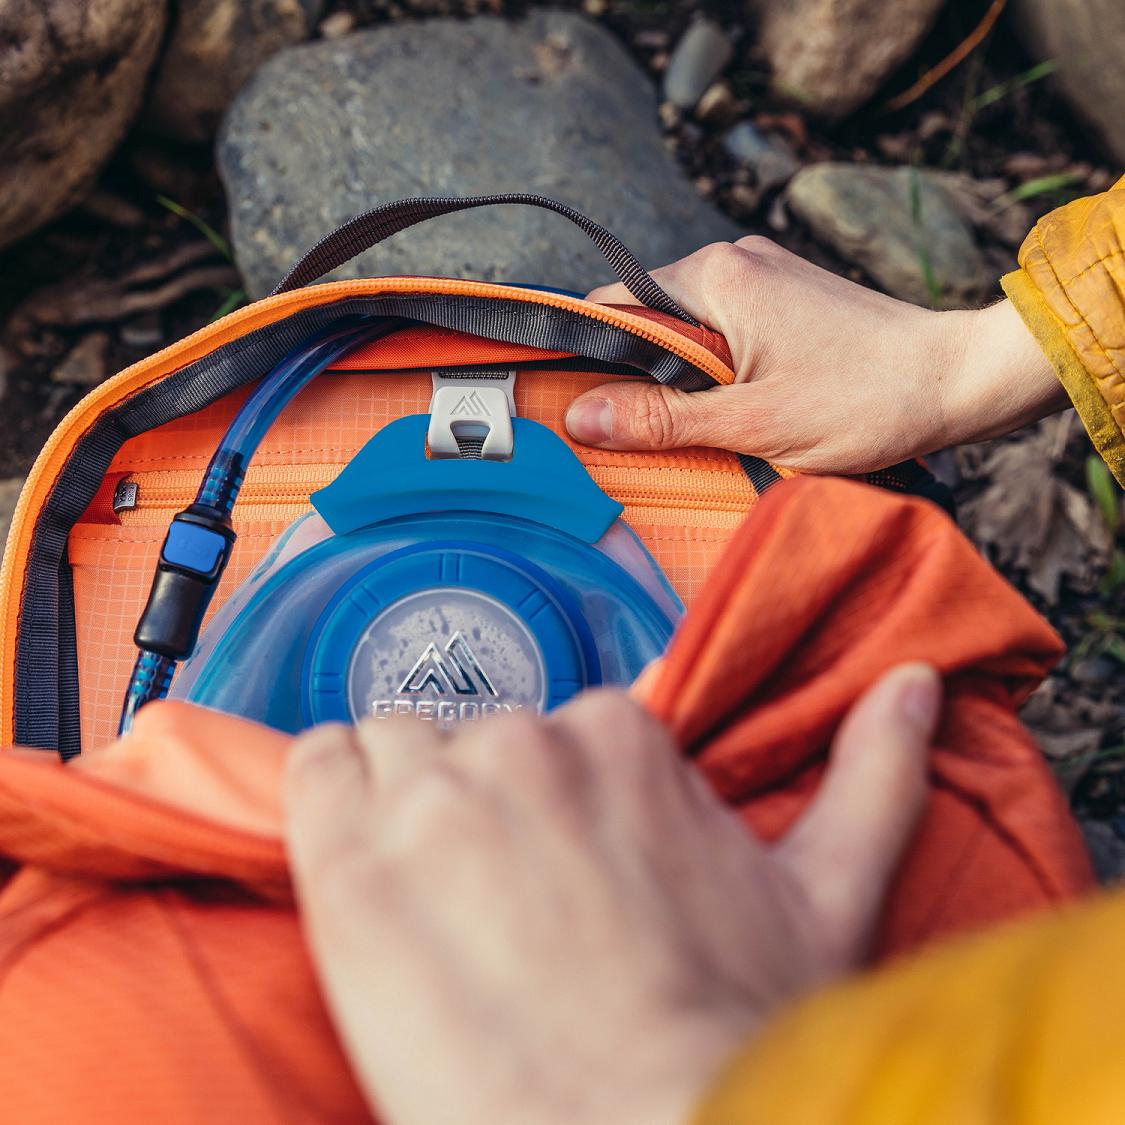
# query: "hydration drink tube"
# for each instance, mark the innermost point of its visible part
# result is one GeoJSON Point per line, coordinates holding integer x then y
{"type": "Point", "coordinates": [463, 564]}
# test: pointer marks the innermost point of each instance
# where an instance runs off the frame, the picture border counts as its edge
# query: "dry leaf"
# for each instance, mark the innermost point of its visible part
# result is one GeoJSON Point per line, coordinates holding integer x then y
{"type": "Point", "coordinates": [1032, 520]}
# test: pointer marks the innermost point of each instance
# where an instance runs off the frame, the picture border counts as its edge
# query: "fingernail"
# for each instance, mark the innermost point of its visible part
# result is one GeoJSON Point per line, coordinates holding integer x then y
{"type": "Point", "coordinates": [919, 697]}
{"type": "Point", "coordinates": [590, 420]}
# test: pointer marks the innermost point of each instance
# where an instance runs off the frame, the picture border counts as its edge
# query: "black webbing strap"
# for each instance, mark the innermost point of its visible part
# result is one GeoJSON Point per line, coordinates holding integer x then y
{"type": "Point", "coordinates": [372, 227]}
{"type": "Point", "coordinates": [761, 473]}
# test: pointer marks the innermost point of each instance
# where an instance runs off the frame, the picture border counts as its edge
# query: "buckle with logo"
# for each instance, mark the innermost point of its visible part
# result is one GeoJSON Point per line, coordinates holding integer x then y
{"type": "Point", "coordinates": [471, 414]}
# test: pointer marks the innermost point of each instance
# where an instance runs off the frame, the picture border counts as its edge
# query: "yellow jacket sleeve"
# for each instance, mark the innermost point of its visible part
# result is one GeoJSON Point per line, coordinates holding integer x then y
{"type": "Point", "coordinates": [1021, 1026]}
{"type": "Point", "coordinates": [1070, 291]}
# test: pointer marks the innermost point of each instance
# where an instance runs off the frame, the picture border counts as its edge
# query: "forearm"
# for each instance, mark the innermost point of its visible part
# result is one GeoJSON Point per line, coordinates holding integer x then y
{"type": "Point", "coordinates": [1004, 380]}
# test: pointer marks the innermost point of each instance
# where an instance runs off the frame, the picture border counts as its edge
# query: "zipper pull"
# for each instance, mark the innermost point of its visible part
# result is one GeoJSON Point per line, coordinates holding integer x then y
{"type": "Point", "coordinates": [471, 414]}
{"type": "Point", "coordinates": [125, 496]}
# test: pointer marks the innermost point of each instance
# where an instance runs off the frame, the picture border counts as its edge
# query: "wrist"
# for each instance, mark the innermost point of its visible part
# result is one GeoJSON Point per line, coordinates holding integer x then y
{"type": "Point", "coordinates": [1001, 379]}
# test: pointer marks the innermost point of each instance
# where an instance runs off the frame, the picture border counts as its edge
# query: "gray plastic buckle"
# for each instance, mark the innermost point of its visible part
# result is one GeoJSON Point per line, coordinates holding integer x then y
{"type": "Point", "coordinates": [471, 414]}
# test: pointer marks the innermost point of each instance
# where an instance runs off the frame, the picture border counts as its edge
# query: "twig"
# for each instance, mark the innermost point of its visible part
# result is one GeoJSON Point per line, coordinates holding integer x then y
{"type": "Point", "coordinates": [954, 58]}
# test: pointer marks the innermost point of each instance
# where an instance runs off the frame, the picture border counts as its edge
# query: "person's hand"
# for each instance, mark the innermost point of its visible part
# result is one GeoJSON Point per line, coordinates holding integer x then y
{"type": "Point", "coordinates": [831, 377]}
{"type": "Point", "coordinates": [555, 920]}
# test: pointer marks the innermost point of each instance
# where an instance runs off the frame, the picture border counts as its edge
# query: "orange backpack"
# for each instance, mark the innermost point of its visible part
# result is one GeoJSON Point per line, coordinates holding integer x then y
{"type": "Point", "coordinates": [151, 965]}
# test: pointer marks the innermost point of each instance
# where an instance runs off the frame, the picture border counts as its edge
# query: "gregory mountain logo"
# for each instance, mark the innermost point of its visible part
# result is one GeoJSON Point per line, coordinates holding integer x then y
{"type": "Point", "coordinates": [454, 671]}
{"type": "Point", "coordinates": [471, 405]}
{"type": "Point", "coordinates": [445, 685]}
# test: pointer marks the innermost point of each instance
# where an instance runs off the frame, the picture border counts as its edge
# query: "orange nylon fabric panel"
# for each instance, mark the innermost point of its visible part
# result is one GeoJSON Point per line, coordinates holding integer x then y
{"type": "Point", "coordinates": [149, 938]}
{"type": "Point", "coordinates": [428, 346]}
{"type": "Point", "coordinates": [829, 585]}
{"type": "Point", "coordinates": [684, 505]}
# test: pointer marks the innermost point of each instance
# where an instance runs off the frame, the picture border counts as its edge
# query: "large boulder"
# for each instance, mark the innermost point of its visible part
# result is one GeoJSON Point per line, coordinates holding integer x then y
{"type": "Point", "coordinates": [71, 80]}
{"type": "Point", "coordinates": [1086, 40]}
{"type": "Point", "coordinates": [900, 225]}
{"type": "Point", "coordinates": [550, 105]}
{"type": "Point", "coordinates": [213, 47]}
{"type": "Point", "coordinates": [830, 56]}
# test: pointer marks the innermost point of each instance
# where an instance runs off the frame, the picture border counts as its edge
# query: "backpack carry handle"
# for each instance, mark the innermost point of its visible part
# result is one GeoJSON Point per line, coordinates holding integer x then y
{"type": "Point", "coordinates": [371, 227]}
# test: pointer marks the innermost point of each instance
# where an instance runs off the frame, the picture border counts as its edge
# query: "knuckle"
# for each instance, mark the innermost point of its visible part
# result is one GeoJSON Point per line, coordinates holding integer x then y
{"type": "Point", "coordinates": [428, 800]}
{"type": "Point", "coordinates": [757, 244]}
{"type": "Point", "coordinates": [629, 735]}
{"type": "Point", "coordinates": [653, 419]}
{"type": "Point", "coordinates": [510, 746]}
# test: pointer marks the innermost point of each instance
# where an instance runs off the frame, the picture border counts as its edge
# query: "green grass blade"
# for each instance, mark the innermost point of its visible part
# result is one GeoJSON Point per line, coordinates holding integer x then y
{"type": "Point", "coordinates": [201, 225]}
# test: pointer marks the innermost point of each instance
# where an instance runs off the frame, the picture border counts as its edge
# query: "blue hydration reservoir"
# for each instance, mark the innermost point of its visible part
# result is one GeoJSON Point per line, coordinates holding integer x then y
{"type": "Point", "coordinates": [463, 564]}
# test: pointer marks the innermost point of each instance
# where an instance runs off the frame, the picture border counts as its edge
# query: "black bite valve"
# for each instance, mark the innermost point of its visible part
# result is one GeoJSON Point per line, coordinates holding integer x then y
{"type": "Point", "coordinates": [192, 561]}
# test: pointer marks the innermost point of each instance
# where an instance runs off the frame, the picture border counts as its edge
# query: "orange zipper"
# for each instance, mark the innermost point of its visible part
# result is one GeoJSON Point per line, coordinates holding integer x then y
{"type": "Point", "coordinates": [273, 493]}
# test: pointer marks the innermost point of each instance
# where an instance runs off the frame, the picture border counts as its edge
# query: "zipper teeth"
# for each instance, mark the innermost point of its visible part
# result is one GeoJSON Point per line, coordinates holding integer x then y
{"type": "Point", "coordinates": [260, 494]}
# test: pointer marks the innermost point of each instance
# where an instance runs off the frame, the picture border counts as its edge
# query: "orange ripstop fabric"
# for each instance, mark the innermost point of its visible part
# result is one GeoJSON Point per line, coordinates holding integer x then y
{"type": "Point", "coordinates": [151, 963]}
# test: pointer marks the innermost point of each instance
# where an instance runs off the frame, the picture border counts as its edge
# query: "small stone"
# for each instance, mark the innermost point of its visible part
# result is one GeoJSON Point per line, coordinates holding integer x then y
{"type": "Point", "coordinates": [705, 185]}
{"type": "Point", "coordinates": [1096, 670]}
{"type": "Point", "coordinates": [777, 219]}
{"type": "Point", "coordinates": [1107, 850]}
{"type": "Point", "coordinates": [144, 331]}
{"type": "Point", "coordinates": [85, 364]}
{"type": "Point", "coordinates": [698, 59]}
{"type": "Point", "coordinates": [832, 55]}
{"type": "Point", "coordinates": [9, 495]}
{"type": "Point", "coordinates": [935, 123]}
{"type": "Point", "coordinates": [770, 158]}
{"type": "Point", "coordinates": [745, 197]}
{"type": "Point", "coordinates": [717, 103]}
{"type": "Point", "coordinates": [595, 8]}
{"type": "Point", "coordinates": [669, 115]}
{"type": "Point", "coordinates": [337, 25]}
{"type": "Point", "coordinates": [867, 215]}
{"type": "Point", "coordinates": [899, 147]}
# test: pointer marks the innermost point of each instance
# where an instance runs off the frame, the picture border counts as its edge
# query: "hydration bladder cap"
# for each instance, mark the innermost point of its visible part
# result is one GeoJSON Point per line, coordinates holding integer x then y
{"type": "Point", "coordinates": [447, 632]}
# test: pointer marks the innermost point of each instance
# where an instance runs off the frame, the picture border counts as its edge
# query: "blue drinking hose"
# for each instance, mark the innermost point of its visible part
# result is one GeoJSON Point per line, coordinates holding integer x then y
{"type": "Point", "coordinates": [199, 540]}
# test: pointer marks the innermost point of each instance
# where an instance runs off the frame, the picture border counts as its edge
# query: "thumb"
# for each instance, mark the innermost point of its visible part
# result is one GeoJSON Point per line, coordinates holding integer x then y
{"type": "Point", "coordinates": [846, 848]}
{"type": "Point", "coordinates": [644, 415]}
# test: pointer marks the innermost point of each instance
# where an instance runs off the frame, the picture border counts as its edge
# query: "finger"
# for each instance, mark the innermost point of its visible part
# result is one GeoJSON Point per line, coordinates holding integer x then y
{"type": "Point", "coordinates": [645, 415]}
{"type": "Point", "coordinates": [395, 748]}
{"type": "Point", "coordinates": [846, 848]}
{"type": "Point", "coordinates": [615, 294]}
{"type": "Point", "coordinates": [327, 799]}
{"type": "Point", "coordinates": [683, 281]}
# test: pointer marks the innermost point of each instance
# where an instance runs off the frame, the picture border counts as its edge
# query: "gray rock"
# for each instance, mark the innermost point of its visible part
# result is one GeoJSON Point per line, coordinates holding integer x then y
{"type": "Point", "coordinates": [213, 47]}
{"type": "Point", "coordinates": [1107, 850]}
{"type": "Point", "coordinates": [71, 80]}
{"type": "Point", "coordinates": [9, 495]}
{"type": "Point", "coordinates": [770, 159]}
{"type": "Point", "coordinates": [549, 105]}
{"type": "Point", "coordinates": [1084, 38]}
{"type": "Point", "coordinates": [868, 216]}
{"type": "Point", "coordinates": [831, 55]}
{"type": "Point", "coordinates": [696, 61]}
